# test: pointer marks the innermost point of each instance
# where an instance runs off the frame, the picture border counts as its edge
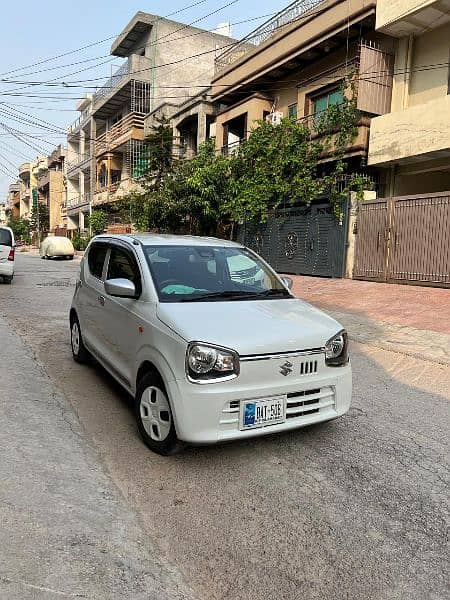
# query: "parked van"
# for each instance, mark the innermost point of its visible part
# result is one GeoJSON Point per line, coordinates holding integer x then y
{"type": "Point", "coordinates": [7, 251]}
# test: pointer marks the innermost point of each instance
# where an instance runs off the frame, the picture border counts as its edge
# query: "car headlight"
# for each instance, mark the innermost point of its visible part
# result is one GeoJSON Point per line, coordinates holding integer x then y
{"type": "Point", "coordinates": [336, 350]}
{"type": "Point", "coordinates": [205, 362]}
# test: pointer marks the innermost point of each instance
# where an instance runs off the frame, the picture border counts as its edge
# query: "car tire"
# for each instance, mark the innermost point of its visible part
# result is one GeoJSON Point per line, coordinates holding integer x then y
{"type": "Point", "coordinates": [154, 416]}
{"type": "Point", "coordinates": [79, 351]}
{"type": "Point", "coordinates": [8, 279]}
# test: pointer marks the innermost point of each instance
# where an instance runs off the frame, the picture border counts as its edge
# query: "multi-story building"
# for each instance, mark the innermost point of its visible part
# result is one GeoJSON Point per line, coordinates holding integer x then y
{"type": "Point", "coordinates": [412, 142]}
{"type": "Point", "coordinates": [50, 183]}
{"type": "Point", "coordinates": [405, 237]}
{"type": "Point", "coordinates": [79, 166]}
{"type": "Point", "coordinates": [25, 204]}
{"type": "Point", "coordinates": [296, 65]}
{"type": "Point", "coordinates": [13, 201]}
{"type": "Point", "coordinates": [105, 146]}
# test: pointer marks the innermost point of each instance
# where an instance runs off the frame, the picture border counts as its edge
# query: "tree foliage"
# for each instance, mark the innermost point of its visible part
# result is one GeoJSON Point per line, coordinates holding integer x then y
{"type": "Point", "coordinates": [275, 167]}
{"type": "Point", "coordinates": [97, 221]}
{"type": "Point", "coordinates": [40, 218]}
{"type": "Point", "coordinates": [20, 227]}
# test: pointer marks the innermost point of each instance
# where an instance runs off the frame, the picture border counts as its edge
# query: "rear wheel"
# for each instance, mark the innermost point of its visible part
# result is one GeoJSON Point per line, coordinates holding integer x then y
{"type": "Point", "coordinates": [154, 416]}
{"type": "Point", "coordinates": [8, 279]}
{"type": "Point", "coordinates": [79, 351]}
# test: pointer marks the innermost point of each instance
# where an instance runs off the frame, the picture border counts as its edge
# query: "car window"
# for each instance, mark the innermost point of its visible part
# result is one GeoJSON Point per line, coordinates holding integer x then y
{"type": "Point", "coordinates": [5, 237]}
{"type": "Point", "coordinates": [96, 259]}
{"type": "Point", "coordinates": [183, 273]}
{"type": "Point", "coordinates": [123, 265]}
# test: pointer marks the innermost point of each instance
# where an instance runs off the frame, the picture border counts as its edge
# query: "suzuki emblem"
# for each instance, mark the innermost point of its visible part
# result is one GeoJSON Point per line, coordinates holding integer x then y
{"type": "Point", "coordinates": [286, 368]}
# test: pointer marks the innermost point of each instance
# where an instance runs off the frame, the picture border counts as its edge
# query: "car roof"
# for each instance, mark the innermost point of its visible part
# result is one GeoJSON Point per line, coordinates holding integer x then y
{"type": "Point", "coordinates": [160, 239]}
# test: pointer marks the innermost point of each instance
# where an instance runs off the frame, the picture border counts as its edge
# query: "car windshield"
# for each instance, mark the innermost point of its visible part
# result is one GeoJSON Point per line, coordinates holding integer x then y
{"type": "Point", "coordinates": [211, 273]}
{"type": "Point", "coordinates": [5, 237]}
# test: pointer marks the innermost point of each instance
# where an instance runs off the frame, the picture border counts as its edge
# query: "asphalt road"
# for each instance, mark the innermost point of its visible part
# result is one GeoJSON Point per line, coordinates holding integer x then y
{"type": "Point", "coordinates": [355, 509]}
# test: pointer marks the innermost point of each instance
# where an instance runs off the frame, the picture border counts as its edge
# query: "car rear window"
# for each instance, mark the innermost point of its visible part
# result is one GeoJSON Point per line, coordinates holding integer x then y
{"type": "Point", "coordinates": [5, 237]}
{"type": "Point", "coordinates": [96, 259]}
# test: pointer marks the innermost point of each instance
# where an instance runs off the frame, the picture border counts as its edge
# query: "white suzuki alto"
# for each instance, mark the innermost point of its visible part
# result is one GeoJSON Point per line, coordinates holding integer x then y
{"type": "Point", "coordinates": [207, 338]}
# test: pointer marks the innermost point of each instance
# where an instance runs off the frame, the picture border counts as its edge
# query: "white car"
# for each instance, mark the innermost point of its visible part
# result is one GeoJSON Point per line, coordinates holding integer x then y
{"type": "Point", "coordinates": [56, 246]}
{"type": "Point", "coordinates": [7, 254]}
{"type": "Point", "coordinates": [208, 356]}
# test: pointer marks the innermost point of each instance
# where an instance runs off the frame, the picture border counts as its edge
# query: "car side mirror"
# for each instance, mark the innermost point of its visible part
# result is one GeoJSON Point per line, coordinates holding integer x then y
{"type": "Point", "coordinates": [122, 288]}
{"type": "Point", "coordinates": [287, 281]}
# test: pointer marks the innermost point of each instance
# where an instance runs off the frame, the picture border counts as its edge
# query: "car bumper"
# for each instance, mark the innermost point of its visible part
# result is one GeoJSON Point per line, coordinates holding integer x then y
{"type": "Point", "coordinates": [211, 413]}
{"type": "Point", "coordinates": [6, 268]}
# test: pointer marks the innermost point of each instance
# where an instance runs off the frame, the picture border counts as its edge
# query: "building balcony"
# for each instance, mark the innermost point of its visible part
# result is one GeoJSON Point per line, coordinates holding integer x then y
{"type": "Point", "coordinates": [74, 205]}
{"type": "Point", "coordinates": [81, 161]}
{"type": "Point", "coordinates": [411, 17]}
{"type": "Point", "coordinates": [131, 127]}
{"type": "Point", "coordinates": [118, 90]}
{"type": "Point", "coordinates": [287, 44]}
{"type": "Point", "coordinates": [24, 170]}
{"type": "Point", "coordinates": [418, 133]}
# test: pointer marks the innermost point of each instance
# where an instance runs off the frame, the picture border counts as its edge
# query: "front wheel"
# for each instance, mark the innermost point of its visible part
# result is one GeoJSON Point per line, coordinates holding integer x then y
{"type": "Point", "coordinates": [154, 417]}
{"type": "Point", "coordinates": [79, 352]}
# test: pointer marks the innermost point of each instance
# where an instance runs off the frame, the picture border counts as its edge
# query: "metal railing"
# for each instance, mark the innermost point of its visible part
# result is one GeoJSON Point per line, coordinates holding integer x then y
{"type": "Point", "coordinates": [81, 158]}
{"type": "Point", "coordinates": [112, 82]}
{"type": "Point", "coordinates": [80, 120]}
{"type": "Point", "coordinates": [78, 201]}
{"type": "Point", "coordinates": [264, 32]}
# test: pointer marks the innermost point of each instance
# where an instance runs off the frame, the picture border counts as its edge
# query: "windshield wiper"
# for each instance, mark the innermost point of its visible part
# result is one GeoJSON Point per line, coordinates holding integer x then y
{"type": "Point", "coordinates": [226, 294]}
{"type": "Point", "coordinates": [238, 295]}
{"type": "Point", "coordinates": [274, 292]}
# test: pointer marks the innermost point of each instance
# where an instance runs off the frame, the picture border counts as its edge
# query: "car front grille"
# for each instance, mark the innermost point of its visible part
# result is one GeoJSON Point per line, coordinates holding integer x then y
{"type": "Point", "coordinates": [299, 405]}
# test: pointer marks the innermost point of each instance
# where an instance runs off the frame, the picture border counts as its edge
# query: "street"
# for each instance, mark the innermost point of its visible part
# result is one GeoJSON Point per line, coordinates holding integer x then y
{"type": "Point", "coordinates": [353, 509]}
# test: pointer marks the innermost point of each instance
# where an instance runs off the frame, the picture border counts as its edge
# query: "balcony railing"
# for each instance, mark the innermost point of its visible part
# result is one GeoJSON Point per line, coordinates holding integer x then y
{"type": "Point", "coordinates": [78, 160]}
{"type": "Point", "coordinates": [78, 201]}
{"type": "Point", "coordinates": [123, 128]}
{"type": "Point", "coordinates": [112, 82]}
{"type": "Point", "coordinates": [80, 121]}
{"type": "Point", "coordinates": [264, 32]}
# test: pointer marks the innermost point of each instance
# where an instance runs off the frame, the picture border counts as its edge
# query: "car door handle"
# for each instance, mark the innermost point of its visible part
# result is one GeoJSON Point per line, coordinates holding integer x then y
{"type": "Point", "coordinates": [101, 300]}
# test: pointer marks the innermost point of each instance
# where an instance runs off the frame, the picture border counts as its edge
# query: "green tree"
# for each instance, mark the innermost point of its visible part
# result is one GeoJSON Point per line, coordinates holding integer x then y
{"type": "Point", "coordinates": [20, 227]}
{"type": "Point", "coordinates": [97, 221]}
{"type": "Point", "coordinates": [40, 219]}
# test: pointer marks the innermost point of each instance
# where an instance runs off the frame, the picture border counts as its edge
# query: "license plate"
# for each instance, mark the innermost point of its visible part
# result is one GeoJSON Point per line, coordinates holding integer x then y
{"type": "Point", "coordinates": [263, 412]}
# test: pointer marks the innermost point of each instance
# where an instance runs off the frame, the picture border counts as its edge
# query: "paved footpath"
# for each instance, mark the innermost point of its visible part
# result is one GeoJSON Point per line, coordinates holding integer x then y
{"type": "Point", "coordinates": [413, 320]}
{"type": "Point", "coordinates": [65, 531]}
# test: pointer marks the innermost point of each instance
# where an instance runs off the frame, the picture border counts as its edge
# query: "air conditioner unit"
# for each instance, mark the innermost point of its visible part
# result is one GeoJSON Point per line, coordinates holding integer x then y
{"type": "Point", "coordinates": [274, 118]}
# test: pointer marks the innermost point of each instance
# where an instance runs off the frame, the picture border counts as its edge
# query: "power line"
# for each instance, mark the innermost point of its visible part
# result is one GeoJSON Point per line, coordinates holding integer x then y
{"type": "Point", "coordinates": [96, 43]}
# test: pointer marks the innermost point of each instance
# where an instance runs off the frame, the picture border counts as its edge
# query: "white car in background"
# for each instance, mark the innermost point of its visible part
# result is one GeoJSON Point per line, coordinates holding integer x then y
{"type": "Point", "coordinates": [57, 246]}
{"type": "Point", "coordinates": [7, 254]}
{"type": "Point", "coordinates": [207, 338]}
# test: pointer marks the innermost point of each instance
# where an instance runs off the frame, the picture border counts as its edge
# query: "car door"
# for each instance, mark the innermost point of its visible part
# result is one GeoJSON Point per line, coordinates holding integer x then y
{"type": "Point", "coordinates": [122, 322]}
{"type": "Point", "coordinates": [6, 244]}
{"type": "Point", "coordinates": [91, 298]}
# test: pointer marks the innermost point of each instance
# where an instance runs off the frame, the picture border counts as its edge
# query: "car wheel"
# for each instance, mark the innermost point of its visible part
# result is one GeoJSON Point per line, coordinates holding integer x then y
{"type": "Point", "coordinates": [79, 351]}
{"type": "Point", "coordinates": [8, 279]}
{"type": "Point", "coordinates": [154, 416]}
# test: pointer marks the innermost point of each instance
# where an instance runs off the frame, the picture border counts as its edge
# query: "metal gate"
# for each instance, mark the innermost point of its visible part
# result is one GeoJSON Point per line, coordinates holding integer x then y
{"type": "Point", "coordinates": [304, 240]}
{"type": "Point", "coordinates": [405, 239]}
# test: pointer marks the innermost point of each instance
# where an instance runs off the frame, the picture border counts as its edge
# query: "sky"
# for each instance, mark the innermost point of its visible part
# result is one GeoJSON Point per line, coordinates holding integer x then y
{"type": "Point", "coordinates": [32, 32]}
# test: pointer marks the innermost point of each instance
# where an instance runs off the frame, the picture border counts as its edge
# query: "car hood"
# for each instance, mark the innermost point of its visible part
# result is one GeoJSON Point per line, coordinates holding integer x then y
{"type": "Point", "coordinates": [251, 327]}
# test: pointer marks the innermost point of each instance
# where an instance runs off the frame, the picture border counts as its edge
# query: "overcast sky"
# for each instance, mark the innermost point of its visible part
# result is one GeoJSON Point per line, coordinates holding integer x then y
{"type": "Point", "coordinates": [31, 32]}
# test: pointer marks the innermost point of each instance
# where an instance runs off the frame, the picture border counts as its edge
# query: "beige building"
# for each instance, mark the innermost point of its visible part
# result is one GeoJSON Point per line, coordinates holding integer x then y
{"type": "Point", "coordinates": [294, 66]}
{"type": "Point", "coordinates": [51, 186]}
{"type": "Point", "coordinates": [13, 201]}
{"type": "Point", "coordinates": [412, 142]}
{"type": "Point", "coordinates": [25, 202]}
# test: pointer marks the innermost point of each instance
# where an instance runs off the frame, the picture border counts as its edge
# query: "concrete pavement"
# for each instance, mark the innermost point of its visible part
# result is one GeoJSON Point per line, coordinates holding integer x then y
{"type": "Point", "coordinates": [355, 509]}
{"type": "Point", "coordinates": [65, 529]}
{"type": "Point", "coordinates": [413, 320]}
